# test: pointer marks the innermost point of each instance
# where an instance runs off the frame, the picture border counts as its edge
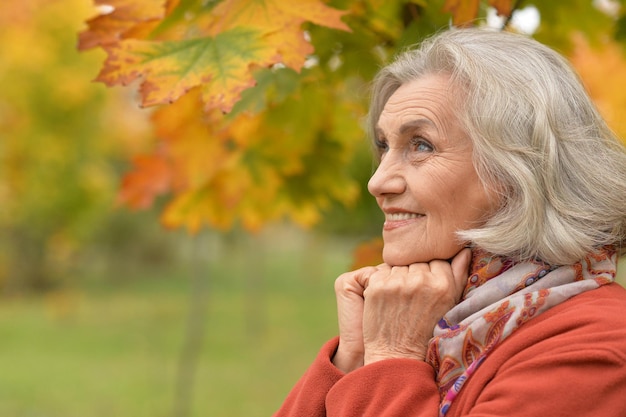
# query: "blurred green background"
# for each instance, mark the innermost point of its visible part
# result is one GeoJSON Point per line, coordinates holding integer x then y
{"type": "Point", "coordinates": [97, 302]}
{"type": "Point", "coordinates": [110, 343]}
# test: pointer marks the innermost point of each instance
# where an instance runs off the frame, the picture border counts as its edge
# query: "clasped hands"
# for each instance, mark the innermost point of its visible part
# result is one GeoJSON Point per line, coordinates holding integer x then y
{"type": "Point", "coordinates": [390, 312]}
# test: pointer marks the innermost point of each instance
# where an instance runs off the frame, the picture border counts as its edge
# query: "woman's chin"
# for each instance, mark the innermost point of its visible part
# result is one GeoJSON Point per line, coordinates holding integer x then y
{"type": "Point", "coordinates": [402, 258]}
{"type": "Point", "coordinates": [394, 256]}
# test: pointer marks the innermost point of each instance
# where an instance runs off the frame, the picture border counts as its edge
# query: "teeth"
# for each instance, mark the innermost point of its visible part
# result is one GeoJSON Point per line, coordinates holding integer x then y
{"type": "Point", "coordinates": [394, 217]}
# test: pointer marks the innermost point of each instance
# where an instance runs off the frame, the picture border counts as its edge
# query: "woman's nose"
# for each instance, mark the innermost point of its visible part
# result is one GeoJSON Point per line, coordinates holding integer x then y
{"type": "Point", "coordinates": [388, 178]}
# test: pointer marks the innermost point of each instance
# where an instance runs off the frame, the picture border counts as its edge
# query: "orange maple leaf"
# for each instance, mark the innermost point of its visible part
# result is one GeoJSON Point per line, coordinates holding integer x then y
{"type": "Point", "coordinates": [150, 177]}
{"type": "Point", "coordinates": [222, 66]}
{"type": "Point", "coordinates": [272, 15]}
{"type": "Point", "coordinates": [464, 12]}
{"type": "Point", "coordinates": [114, 24]}
{"type": "Point", "coordinates": [218, 52]}
{"type": "Point", "coordinates": [503, 7]}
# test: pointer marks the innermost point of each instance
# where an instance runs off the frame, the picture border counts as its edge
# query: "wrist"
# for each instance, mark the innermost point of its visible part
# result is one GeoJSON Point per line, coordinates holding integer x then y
{"type": "Point", "coordinates": [347, 361]}
{"type": "Point", "coordinates": [380, 356]}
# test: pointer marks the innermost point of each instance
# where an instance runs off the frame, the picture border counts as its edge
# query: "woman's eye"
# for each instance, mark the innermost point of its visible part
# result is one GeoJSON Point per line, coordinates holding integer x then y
{"type": "Point", "coordinates": [381, 145]}
{"type": "Point", "coordinates": [421, 145]}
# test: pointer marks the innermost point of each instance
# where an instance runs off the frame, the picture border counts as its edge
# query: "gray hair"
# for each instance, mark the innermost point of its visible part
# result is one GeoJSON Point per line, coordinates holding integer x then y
{"type": "Point", "coordinates": [538, 141]}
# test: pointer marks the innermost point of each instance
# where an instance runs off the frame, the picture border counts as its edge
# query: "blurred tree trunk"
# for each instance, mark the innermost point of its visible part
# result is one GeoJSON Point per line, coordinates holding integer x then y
{"type": "Point", "coordinates": [194, 334]}
{"type": "Point", "coordinates": [254, 259]}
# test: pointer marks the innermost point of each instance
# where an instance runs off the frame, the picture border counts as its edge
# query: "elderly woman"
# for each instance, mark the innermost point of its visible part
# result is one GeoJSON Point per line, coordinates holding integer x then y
{"type": "Point", "coordinates": [504, 195]}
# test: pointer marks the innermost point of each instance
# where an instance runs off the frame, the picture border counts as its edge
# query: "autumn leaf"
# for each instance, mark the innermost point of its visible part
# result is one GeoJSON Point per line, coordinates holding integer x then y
{"type": "Point", "coordinates": [503, 7]}
{"type": "Point", "coordinates": [464, 12]}
{"type": "Point", "coordinates": [151, 176]}
{"type": "Point", "coordinates": [221, 66]}
{"type": "Point", "coordinates": [272, 15]}
{"type": "Point", "coordinates": [218, 51]}
{"type": "Point", "coordinates": [120, 17]}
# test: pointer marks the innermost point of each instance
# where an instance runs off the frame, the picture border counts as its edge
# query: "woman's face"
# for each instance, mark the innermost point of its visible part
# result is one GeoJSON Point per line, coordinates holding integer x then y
{"type": "Point", "coordinates": [426, 183]}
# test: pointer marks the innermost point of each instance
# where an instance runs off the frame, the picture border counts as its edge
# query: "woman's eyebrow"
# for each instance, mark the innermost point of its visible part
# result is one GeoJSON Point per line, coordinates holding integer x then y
{"type": "Point", "coordinates": [410, 125]}
{"type": "Point", "coordinates": [417, 123]}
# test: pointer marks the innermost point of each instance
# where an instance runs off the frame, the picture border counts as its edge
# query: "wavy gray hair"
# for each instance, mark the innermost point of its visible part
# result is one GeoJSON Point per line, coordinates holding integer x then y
{"type": "Point", "coordinates": [538, 141]}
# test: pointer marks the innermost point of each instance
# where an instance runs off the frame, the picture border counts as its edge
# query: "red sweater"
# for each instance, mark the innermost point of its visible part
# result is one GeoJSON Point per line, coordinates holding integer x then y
{"type": "Point", "coordinates": [570, 361]}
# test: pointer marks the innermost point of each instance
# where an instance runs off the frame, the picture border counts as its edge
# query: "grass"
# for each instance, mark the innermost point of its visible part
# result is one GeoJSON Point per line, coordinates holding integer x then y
{"type": "Point", "coordinates": [100, 350]}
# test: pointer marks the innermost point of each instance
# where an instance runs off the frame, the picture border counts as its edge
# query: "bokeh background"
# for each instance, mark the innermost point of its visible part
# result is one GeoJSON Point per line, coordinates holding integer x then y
{"type": "Point", "coordinates": [105, 313]}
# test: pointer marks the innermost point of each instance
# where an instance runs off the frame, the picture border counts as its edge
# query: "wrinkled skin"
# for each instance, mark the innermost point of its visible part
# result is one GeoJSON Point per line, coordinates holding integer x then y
{"type": "Point", "coordinates": [428, 189]}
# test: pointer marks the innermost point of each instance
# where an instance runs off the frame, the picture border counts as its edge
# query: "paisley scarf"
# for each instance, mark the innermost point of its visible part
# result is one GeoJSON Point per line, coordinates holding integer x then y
{"type": "Point", "coordinates": [501, 296]}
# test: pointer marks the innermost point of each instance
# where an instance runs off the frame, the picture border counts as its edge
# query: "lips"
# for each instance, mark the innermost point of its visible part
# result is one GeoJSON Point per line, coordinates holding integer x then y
{"type": "Point", "coordinates": [397, 219]}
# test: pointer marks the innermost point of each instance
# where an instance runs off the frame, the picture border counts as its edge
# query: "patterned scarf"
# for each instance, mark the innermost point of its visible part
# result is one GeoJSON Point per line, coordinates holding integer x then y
{"type": "Point", "coordinates": [501, 296]}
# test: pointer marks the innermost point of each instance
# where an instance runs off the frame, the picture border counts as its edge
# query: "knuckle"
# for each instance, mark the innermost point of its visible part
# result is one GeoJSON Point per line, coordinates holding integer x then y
{"type": "Point", "coordinates": [442, 290]}
{"type": "Point", "coordinates": [374, 286]}
{"type": "Point", "coordinates": [382, 285]}
{"type": "Point", "coordinates": [341, 281]}
{"type": "Point", "coordinates": [439, 284]}
{"type": "Point", "coordinates": [348, 280]}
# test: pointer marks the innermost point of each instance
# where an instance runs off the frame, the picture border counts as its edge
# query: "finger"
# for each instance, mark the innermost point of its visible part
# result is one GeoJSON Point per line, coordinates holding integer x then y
{"type": "Point", "coordinates": [419, 267]}
{"type": "Point", "coordinates": [357, 281]}
{"type": "Point", "coordinates": [442, 277]}
{"type": "Point", "coordinates": [460, 267]}
{"type": "Point", "coordinates": [379, 272]}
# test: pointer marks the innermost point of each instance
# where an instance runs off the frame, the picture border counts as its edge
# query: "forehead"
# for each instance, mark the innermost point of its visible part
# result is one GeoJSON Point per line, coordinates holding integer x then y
{"type": "Point", "coordinates": [428, 99]}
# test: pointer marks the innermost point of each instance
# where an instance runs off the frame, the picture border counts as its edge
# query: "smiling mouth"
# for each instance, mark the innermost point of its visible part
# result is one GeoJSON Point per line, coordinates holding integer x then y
{"type": "Point", "coordinates": [396, 217]}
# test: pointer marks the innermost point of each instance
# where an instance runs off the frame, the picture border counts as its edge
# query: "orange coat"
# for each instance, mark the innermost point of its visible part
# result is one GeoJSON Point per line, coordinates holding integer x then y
{"type": "Point", "coordinates": [569, 361]}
